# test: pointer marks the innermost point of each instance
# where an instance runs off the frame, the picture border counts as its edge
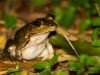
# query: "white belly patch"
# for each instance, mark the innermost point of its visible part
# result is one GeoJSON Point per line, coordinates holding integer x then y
{"type": "Point", "coordinates": [33, 51]}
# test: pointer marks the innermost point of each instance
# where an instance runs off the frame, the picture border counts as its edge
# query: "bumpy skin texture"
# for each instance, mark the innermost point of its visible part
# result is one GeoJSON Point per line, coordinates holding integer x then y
{"type": "Point", "coordinates": [30, 36]}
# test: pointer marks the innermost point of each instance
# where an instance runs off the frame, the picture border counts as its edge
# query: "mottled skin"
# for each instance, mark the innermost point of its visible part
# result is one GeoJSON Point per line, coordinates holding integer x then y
{"type": "Point", "coordinates": [27, 35]}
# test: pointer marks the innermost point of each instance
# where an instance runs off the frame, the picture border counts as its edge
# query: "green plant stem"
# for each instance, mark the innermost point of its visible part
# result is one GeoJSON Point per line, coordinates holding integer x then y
{"type": "Point", "coordinates": [6, 9]}
{"type": "Point", "coordinates": [9, 33]}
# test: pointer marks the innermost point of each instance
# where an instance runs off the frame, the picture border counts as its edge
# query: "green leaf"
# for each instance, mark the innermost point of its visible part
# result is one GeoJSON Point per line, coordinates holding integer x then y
{"type": "Point", "coordinates": [39, 2]}
{"type": "Point", "coordinates": [98, 60]}
{"type": "Point", "coordinates": [81, 46]}
{"type": "Point", "coordinates": [11, 21]}
{"type": "Point", "coordinates": [95, 33]}
{"type": "Point", "coordinates": [17, 67]}
{"type": "Point", "coordinates": [87, 60]}
{"type": "Point", "coordinates": [46, 72]}
{"type": "Point", "coordinates": [96, 41]}
{"type": "Point", "coordinates": [53, 60]}
{"type": "Point", "coordinates": [81, 71]}
{"type": "Point", "coordinates": [61, 73]}
{"type": "Point", "coordinates": [11, 69]}
{"type": "Point", "coordinates": [91, 61]}
{"type": "Point", "coordinates": [85, 24]}
{"type": "Point", "coordinates": [41, 65]}
{"type": "Point", "coordinates": [68, 17]}
{"type": "Point", "coordinates": [83, 58]}
{"type": "Point", "coordinates": [72, 2]}
{"type": "Point", "coordinates": [58, 11]}
{"type": "Point", "coordinates": [11, 74]}
{"type": "Point", "coordinates": [56, 1]}
{"type": "Point", "coordinates": [96, 22]}
{"type": "Point", "coordinates": [93, 10]}
{"type": "Point", "coordinates": [94, 69]}
{"type": "Point", "coordinates": [84, 3]}
{"type": "Point", "coordinates": [59, 41]}
{"type": "Point", "coordinates": [19, 73]}
{"type": "Point", "coordinates": [15, 71]}
{"type": "Point", "coordinates": [75, 65]}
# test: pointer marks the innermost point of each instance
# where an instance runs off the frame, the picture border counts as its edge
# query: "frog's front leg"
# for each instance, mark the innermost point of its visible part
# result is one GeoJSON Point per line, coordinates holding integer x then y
{"type": "Point", "coordinates": [48, 52]}
{"type": "Point", "coordinates": [18, 54]}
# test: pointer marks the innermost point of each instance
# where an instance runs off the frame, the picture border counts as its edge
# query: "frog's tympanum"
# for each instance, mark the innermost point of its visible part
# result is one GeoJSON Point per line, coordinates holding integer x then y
{"type": "Point", "coordinates": [31, 40]}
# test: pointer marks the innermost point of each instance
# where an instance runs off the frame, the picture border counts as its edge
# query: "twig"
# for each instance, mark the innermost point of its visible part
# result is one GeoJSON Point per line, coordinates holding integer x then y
{"type": "Point", "coordinates": [97, 8]}
{"type": "Point", "coordinates": [71, 46]}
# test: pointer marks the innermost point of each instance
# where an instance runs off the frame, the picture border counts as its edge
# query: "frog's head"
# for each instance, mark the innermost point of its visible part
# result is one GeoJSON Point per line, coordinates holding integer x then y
{"type": "Point", "coordinates": [42, 25]}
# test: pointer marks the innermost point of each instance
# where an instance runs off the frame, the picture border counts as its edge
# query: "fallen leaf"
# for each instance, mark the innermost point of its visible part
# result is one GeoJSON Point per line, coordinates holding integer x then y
{"type": "Point", "coordinates": [60, 51]}
{"type": "Point", "coordinates": [3, 72]}
{"type": "Point", "coordinates": [66, 57]}
{"type": "Point", "coordinates": [2, 41]}
{"type": "Point", "coordinates": [24, 72]}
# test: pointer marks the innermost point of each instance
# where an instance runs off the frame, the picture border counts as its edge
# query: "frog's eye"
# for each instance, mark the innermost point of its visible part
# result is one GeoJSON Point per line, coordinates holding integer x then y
{"type": "Point", "coordinates": [37, 23]}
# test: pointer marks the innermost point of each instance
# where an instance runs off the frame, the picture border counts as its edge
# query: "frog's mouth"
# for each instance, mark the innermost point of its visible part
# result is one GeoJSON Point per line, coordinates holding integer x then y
{"type": "Point", "coordinates": [44, 30]}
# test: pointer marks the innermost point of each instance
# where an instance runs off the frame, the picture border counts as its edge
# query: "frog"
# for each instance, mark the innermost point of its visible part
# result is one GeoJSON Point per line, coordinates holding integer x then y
{"type": "Point", "coordinates": [31, 41]}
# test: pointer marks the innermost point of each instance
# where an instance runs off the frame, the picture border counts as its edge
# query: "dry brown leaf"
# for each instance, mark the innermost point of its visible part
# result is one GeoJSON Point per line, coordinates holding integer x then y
{"type": "Point", "coordinates": [60, 51]}
{"type": "Point", "coordinates": [2, 41]}
{"type": "Point", "coordinates": [5, 63]}
{"type": "Point", "coordinates": [24, 72]}
{"type": "Point", "coordinates": [66, 57]}
{"type": "Point", "coordinates": [63, 31]}
{"type": "Point", "coordinates": [3, 29]}
{"type": "Point", "coordinates": [3, 72]}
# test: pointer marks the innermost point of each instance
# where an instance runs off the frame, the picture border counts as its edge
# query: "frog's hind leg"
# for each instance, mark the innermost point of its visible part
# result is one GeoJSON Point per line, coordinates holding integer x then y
{"type": "Point", "coordinates": [50, 49]}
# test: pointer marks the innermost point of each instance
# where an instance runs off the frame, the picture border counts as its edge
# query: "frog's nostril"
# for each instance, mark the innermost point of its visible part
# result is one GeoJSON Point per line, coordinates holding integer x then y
{"type": "Point", "coordinates": [50, 24]}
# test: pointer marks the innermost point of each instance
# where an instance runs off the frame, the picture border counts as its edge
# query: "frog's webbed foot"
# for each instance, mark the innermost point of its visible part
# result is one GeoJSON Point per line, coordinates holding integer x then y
{"type": "Point", "coordinates": [19, 58]}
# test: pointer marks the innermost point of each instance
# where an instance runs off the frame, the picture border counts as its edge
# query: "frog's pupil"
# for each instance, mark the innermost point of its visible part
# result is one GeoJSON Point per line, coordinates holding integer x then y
{"type": "Point", "coordinates": [37, 23]}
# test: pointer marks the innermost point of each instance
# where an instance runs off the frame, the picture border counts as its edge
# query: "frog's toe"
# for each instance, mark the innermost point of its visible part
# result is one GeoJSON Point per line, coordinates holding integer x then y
{"type": "Point", "coordinates": [19, 58]}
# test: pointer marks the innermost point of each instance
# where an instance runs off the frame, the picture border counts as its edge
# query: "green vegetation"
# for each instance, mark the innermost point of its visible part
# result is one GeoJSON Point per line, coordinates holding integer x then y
{"type": "Point", "coordinates": [46, 67]}
{"type": "Point", "coordinates": [14, 71]}
{"type": "Point", "coordinates": [66, 16]}
{"type": "Point", "coordinates": [90, 8]}
{"type": "Point", "coordinates": [85, 65]}
{"type": "Point", "coordinates": [11, 21]}
{"type": "Point", "coordinates": [81, 46]}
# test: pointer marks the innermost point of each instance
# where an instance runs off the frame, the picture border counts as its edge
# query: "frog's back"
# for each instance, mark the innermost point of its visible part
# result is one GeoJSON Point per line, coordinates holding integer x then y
{"type": "Point", "coordinates": [20, 35]}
